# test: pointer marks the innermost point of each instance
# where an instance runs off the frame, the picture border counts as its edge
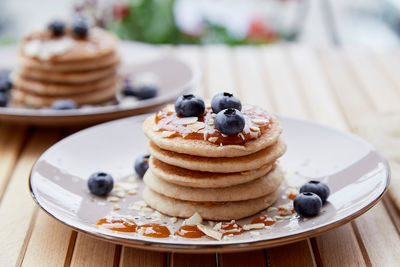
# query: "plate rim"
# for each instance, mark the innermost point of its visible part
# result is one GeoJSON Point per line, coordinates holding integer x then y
{"type": "Point", "coordinates": [155, 245]}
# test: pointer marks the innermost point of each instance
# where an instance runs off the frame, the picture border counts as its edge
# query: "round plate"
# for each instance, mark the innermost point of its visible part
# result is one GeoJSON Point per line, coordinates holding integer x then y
{"type": "Point", "coordinates": [356, 174]}
{"type": "Point", "coordinates": [175, 77]}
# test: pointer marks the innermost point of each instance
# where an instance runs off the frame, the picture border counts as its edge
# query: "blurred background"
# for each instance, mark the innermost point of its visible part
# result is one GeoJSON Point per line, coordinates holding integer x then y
{"type": "Point", "coordinates": [369, 23]}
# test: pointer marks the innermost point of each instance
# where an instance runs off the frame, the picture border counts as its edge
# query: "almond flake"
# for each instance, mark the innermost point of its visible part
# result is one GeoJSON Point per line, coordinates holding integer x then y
{"type": "Point", "coordinates": [205, 136]}
{"type": "Point", "coordinates": [112, 199]}
{"type": "Point", "coordinates": [167, 134]}
{"type": "Point", "coordinates": [169, 108]}
{"type": "Point", "coordinates": [186, 120]}
{"type": "Point", "coordinates": [224, 135]}
{"type": "Point", "coordinates": [194, 220]}
{"type": "Point", "coordinates": [132, 192]}
{"type": "Point", "coordinates": [116, 207]}
{"type": "Point", "coordinates": [210, 232]}
{"type": "Point", "coordinates": [211, 122]}
{"type": "Point", "coordinates": [195, 127]}
{"type": "Point", "coordinates": [213, 139]}
{"type": "Point", "coordinates": [253, 226]}
{"type": "Point", "coordinates": [270, 209]}
{"type": "Point", "coordinates": [120, 194]}
{"type": "Point", "coordinates": [254, 129]}
{"type": "Point", "coordinates": [218, 226]}
{"type": "Point", "coordinates": [259, 121]}
{"type": "Point", "coordinates": [241, 136]}
{"type": "Point", "coordinates": [211, 223]}
{"type": "Point", "coordinates": [254, 134]}
{"type": "Point", "coordinates": [173, 219]}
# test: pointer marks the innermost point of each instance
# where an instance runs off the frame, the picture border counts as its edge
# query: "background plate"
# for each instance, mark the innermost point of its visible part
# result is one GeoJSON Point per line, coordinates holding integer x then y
{"type": "Point", "coordinates": [356, 174]}
{"type": "Point", "coordinates": [175, 77]}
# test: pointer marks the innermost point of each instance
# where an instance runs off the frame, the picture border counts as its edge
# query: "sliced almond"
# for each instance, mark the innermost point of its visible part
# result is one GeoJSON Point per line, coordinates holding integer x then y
{"type": "Point", "coordinates": [241, 136]}
{"type": "Point", "coordinates": [173, 219]}
{"type": "Point", "coordinates": [270, 209]}
{"type": "Point", "coordinates": [112, 199]}
{"type": "Point", "coordinates": [169, 108]}
{"type": "Point", "coordinates": [120, 194]}
{"type": "Point", "coordinates": [210, 232]}
{"type": "Point", "coordinates": [205, 136]}
{"type": "Point", "coordinates": [132, 192]}
{"type": "Point", "coordinates": [195, 127]}
{"type": "Point", "coordinates": [194, 220]}
{"type": "Point", "coordinates": [213, 139]}
{"type": "Point", "coordinates": [254, 134]}
{"type": "Point", "coordinates": [167, 134]}
{"type": "Point", "coordinates": [253, 226]}
{"type": "Point", "coordinates": [254, 129]}
{"type": "Point", "coordinates": [218, 226]}
{"type": "Point", "coordinates": [259, 121]}
{"type": "Point", "coordinates": [116, 207]}
{"type": "Point", "coordinates": [184, 121]}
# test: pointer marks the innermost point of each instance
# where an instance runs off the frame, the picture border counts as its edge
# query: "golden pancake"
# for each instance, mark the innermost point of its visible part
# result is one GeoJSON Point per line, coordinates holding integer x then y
{"type": "Point", "coordinates": [208, 149]}
{"type": "Point", "coordinates": [185, 177]}
{"type": "Point", "coordinates": [59, 89]}
{"type": "Point", "coordinates": [81, 65]}
{"type": "Point", "coordinates": [208, 210]}
{"type": "Point", "coordinates": [225, 165]}
{"type": "Point", "coordinates": [253, 189]}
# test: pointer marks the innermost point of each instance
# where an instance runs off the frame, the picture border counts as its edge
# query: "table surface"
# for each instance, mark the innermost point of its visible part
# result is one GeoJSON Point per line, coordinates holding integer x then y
{"type": "Point", "coordinates": [336, 87]}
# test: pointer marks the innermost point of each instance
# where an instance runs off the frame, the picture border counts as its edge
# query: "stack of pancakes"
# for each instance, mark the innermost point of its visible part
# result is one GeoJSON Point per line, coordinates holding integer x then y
{"type": "Point", "coordinates": [220, 182]}
{"type": "Point", "coordinates": [54, 68]}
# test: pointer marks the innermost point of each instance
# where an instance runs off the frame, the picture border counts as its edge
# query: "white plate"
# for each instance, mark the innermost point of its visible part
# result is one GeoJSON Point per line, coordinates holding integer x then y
{"type": "Point", "coordinates": [356, 174]}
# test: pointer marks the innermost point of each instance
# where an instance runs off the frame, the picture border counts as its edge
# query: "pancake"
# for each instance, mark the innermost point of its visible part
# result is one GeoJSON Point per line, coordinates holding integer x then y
{"type": "Point", "coordinates": [207, 149]}
{"type": "Point", "coordinates": [81, 65]}
{"type": "Point", "coordinates": [98, 43]}
{"type": "Point", "coordinates": [59, 89]}
{"type": "Point", "coordinates": [224, 165]}
{"type": "Point", "coordinates": [254, 189]}
{"type": "Point", "coordinates": [209, 211]}
{"type": "Point", "coordinates": [67, 77]}
{"type": "Point", "coordinates": [185, 177]}
{"type": "Point", "coordinates": [33, 100]}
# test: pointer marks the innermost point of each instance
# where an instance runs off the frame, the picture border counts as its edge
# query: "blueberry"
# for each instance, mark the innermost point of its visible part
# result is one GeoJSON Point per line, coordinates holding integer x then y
{"type": "Point", "coordinates": [142, 93]}
{"type": "Point", "coordinates": [63, 104]}
{"type": "Point", "coordinates": [141, 165]}
{"type": "Point", "coordinates": [316, 187]}
{"type": "Point", "coordinates": [229, 121]}
{"type": "Point", "coordinates": [225, 100]}
{"type": "Point", "coordinates": [189, 106]}
{"type": "Point", "coordinates": [80, 27]}
{"type": "Point", "coordinates": [307, 204]}
{"type": "Point", "coordinates": [3, 99]}
{"type": "Point", "coordinates": [100, 183]}
{"type": "Point", "coordinates": [5, 84]}
{"type": "Point", "coordinates": [56, 27]}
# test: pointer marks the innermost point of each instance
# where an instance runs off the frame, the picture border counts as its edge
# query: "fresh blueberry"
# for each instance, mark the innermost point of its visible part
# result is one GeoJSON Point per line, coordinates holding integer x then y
{"type": "Point", "coordinates": [307, 204]}
{"type": "Point", "coordinates": [141, 165]}
{"type": "Point", "coordinates": [63, 104]}
{"type": "Point", "coordinates": [56, 27]}
{"type": "Point", "coordinates": [229, 121]}
{"type": "Point", "coordinates": [5, 84]}
{"type": "Point", "coordinates": [100, 183]}
{"type": "Point", "coordinates": [80, 27]}
{"type": "Point", "coordinates": [142, 93]}
{"type": "Point", "coordinates": [225, 100]}
{"type": "Point", "coordinates": [189, 106]}
{"type": "Point", "coordinates": [316, 187]}
{"type": "Point", "coordinates": [3, 99]}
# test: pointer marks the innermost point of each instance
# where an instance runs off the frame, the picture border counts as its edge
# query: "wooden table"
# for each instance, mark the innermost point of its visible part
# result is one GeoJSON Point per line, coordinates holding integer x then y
{"type": "Point", "coordinates": [336, 87]}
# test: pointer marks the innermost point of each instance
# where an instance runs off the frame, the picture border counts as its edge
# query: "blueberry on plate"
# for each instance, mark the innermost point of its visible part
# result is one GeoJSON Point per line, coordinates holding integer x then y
{"type": "Point", "coordinates": [80, 27]}
{"type": "Point", "coordinates": [5, 83]}
{"type": "Point", "coordinates": [3, 99]}
{"type": "Point", "coordinates": [189, 106]}
{"type": "Point", "coordinates": [63, 104]}
{"type": "Point", "coordinates": [225, 100]}
{"type": "Point", "coordinates": [141, 93]}
{"type": "Point", "coordinates": [229, 121]}
{"type": "Point", "coordinates": [56, 27]}
{"type": "Point", "coordinates": [307, 204]}
{"type": "Point", "coordinates": [100, 183]}
{"type": "Point", "coordinates": [141, 165]}
{"type": "Point", "coordinates": [316, 187]}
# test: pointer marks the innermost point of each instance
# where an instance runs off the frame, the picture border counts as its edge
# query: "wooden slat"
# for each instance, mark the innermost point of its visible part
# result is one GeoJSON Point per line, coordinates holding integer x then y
{"type": "Point", "coordinates": [89, 252]}
{"type": "Point", "coordinates": [254, 258]}
{"type": "Point", "coordinates": [17, 207]}
{"type": "Point", "coordinates": [387, 62]}
{"type": "Point", "coordinates": [380, 90]}
{"type": "Point", "coordinates": [219, 75]}
{"type": "Point", "coordinates": [251, 83]}
{"type": "Point", "coordinates": [142, 258]}
{"type": "Point", "coordinates": [48, 236]}
{"type": "Point", "coordinates": [12, 138]}
{"type": "Point", "coordinates": [193, 260]}
{"type": "Point", "coordinates": [292, 255]}
{"type": "Point", "coordinates": [283, 88]}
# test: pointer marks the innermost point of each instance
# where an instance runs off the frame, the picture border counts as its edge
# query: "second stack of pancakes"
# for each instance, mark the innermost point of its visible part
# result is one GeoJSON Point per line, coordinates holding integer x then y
{"type": "Point", "coordinates": [53, 68]}
{"type": "Point", "coordinates": [220, 177]}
